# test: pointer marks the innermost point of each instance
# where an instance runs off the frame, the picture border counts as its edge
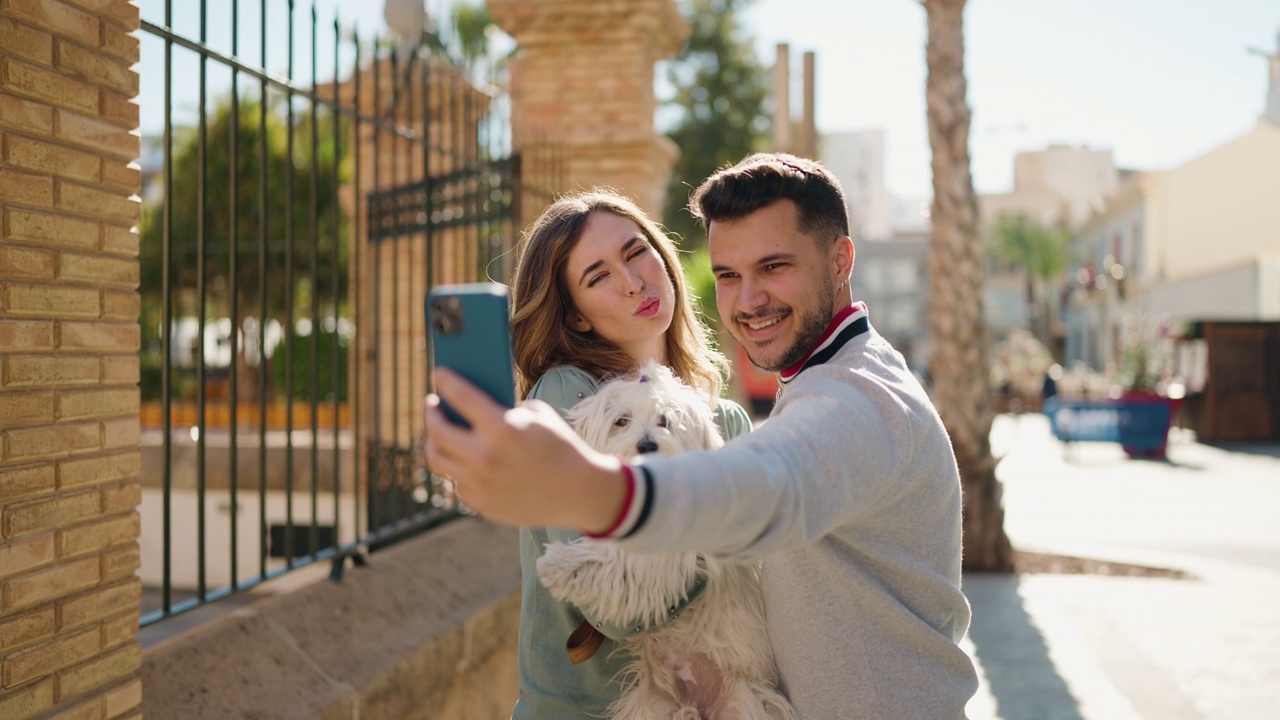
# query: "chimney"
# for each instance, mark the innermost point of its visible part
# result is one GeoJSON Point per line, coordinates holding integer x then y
{"type": "Point", "coordinates": [807, 143]}
{"type": "Point", "coordinates": [782, 100]}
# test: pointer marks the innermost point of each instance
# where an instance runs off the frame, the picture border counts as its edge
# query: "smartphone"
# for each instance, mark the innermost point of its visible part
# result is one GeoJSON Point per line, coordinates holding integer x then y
{"type": "Point", "coordinates": [470, 334]}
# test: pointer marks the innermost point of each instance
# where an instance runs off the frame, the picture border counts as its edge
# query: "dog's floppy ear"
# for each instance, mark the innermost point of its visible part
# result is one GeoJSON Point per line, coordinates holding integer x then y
{"type": "Point", "coordinates": [702, 419]}
{"type": "Point", "coordinates": [590, 418]}
{"type": "Point", "coordinates": [710, 431]}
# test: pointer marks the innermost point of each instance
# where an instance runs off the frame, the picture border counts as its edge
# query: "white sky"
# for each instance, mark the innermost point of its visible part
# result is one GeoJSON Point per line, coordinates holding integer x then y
{"type": "Point", "coordinates": [1156, 81]}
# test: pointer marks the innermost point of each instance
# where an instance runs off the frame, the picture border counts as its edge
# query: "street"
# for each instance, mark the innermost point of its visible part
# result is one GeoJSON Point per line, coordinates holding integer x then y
{"type": "Point", "coordinates": [1089, 647]}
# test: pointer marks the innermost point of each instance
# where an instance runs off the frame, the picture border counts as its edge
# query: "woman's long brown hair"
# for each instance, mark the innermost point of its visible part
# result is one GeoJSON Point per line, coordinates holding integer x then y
{"type": "Point", "coordinates": [541, 336]}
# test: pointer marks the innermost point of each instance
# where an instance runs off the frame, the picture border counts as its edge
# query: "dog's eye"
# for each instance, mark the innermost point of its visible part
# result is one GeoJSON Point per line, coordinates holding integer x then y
{"type": "Point", "coordinates": [622, 421]}
{"type": "Point", "coordinates": [662, 421]}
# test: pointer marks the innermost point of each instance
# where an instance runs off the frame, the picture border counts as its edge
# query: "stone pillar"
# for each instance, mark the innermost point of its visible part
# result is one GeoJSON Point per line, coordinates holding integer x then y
{"type": "Point", "coordinates": [69, 402]}
{"type": "Point", "coordinates": [583, 80]}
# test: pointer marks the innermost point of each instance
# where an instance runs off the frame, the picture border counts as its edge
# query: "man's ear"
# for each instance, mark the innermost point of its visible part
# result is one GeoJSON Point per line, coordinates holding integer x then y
{"type": "Point", "coordinates": [842, 254]}
{"type": "Point", "coordinates": [575, 321]}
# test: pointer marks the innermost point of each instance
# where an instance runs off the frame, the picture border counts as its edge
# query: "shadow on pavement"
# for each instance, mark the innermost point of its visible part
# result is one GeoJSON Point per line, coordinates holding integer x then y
{"type": "Point", "coordinates": [1013, 654]}
{"type": "Point", "coordinates": [1262, 449]}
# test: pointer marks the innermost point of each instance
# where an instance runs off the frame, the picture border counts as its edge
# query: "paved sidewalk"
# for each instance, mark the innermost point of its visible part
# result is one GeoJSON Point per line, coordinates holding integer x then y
{"type": "Point", "coordinates": [1088, 647]}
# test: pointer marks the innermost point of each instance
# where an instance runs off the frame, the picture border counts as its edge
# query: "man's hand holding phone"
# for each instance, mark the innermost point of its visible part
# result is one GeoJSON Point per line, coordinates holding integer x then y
{"type": "Point", "coordinates": [520, 466]}
{"type": "Point", "coordinates": [516, 465]}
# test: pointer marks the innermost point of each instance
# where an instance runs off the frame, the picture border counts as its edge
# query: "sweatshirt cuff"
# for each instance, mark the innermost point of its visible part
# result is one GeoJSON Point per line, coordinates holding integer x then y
{"type": "Point", "coordinates": [635, 505]}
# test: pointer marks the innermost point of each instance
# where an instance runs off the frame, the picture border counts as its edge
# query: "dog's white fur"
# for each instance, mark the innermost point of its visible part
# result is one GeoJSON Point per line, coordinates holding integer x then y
{"type": "Point", "coordinates": [713, 661]}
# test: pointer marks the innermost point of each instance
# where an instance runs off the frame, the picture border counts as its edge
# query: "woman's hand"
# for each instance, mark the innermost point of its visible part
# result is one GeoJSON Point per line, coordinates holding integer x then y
{"type": "Point", "coordinates": [520, 466]}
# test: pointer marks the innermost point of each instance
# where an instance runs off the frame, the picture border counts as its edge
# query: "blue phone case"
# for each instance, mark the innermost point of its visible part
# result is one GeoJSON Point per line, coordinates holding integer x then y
{"type": "Point", "coordinates": [470, 334]}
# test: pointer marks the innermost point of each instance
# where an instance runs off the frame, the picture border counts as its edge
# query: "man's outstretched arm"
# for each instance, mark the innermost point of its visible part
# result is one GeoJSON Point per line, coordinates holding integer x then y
{"type": "Point", "coordinates": [524, 465]}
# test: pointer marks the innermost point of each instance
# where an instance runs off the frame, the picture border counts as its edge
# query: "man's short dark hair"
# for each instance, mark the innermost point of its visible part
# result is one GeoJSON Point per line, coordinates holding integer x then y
{"type": "Point", "coordinates": [735, 191]}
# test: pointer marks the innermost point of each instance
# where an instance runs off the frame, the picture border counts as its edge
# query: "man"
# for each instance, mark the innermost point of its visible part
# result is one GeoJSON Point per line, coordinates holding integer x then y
{"type": "Point", "coordinates": [849, 494]}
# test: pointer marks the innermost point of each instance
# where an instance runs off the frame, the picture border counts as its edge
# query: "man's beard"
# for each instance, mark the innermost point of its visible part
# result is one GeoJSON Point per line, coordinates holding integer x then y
{"type": "Point", "coordinates": [811, 325]}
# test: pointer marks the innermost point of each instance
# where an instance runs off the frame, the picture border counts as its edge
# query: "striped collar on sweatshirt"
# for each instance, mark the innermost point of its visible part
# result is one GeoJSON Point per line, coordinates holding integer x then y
{"type": "Point", "coordinates": [845, 326]}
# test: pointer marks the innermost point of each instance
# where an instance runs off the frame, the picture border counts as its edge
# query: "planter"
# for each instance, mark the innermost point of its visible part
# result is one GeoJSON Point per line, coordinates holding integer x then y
{"type": "Point", "coordinates": [1141, 397]}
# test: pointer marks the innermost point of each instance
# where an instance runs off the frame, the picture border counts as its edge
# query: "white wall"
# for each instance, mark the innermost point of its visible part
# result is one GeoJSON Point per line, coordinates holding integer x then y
{"type": "Point", "coordinates": [1220, 210]}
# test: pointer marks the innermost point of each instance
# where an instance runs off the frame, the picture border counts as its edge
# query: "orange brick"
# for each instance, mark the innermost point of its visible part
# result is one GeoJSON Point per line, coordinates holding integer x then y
{"type": "Point", "coordinates": [26, 480]}
{"type": "Point", "coordinates": [97, 135]}
{"type": "Point", "coordinates": [124, 432]}
{"type": "Point", "coordinates": [47, 658]}
{"type": "Point", "coordinates": [26, 42]}
{"type": "Point", "coordinates": [98, 270]}
{"type": "Point", "coordinates": [27, 701]}
{"type": "Point", "coordinates": [122, 12]}
{"type": "Point", "coordinates": [126, 176]}
{"type": "Point", "coordinates": [100, 70]}
{"type": "Point", "coordinates": [76, 404]}
{"type": "Point", "coordinates": [119, 43]}
{"type": "Point", "coordinates": [51, 583]}
{"type": "Point", "coordinates": [26, 334]}
{"type": "Point", "coordinates": [51, 230]}
{"type": "Point", "coordinates": [121, 562]}
{"type": "Point", "coordinates": [41, 157]}
{"type": "Point", "coordinates": [90, 709]}
{"type": "Point", "coordinates": [62, 19]}
{"type": "Point", "coordinates": [26, 628]}
{"type": "Point", "coordinates": [23, 555]}
{"type": "Point", "coordinates": [118, 110]}
{"type": "Point", "coordinates": [127, 496]}
{"type": "Point", "coordinates": [125, 306]}
{"type": "Point", "coordinates": [49, 514]}
{"type": "Point", "coordinates": [100, 671]}
{"type": "Point", "coordinates": [46, 300]}
{"type": "Point", "coordinates": [52, 441]}
{"type": "Point", "coordinates": [93, 202]}
{"type": "Point", "coordinates": [92, 537]}
{"type": "Point", "coordinates": [100, 603]}
{"type": "Point", "coordinates": [27, 408]}
{"type": "Point", "coordinates": [109, 337]}
{"type": "Point", "coordinates": [25, 189]}
{"type": "Point", "coordinates": [121, 368]}
{"type": "Point", "coordinates": [120, 240]}
{"type": "Point", "coordinates": [46, 370]}
{"type": "Point", "coordinates": [99, 468]}
{"type": "Point", "coordinates": [125, 698]}
{"type": "Point", "coordinates": [26, 263]}
{"type": "Point", "coordinates": [120, 629]}
{"type": "Point", "coordinates": [47, 86]}
{"type": "Point", "coordinates": [19, 114]}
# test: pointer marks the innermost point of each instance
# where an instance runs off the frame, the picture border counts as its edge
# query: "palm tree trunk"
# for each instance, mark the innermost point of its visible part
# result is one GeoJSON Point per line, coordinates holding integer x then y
{"type": "Point", "coordinates": [958, 362]}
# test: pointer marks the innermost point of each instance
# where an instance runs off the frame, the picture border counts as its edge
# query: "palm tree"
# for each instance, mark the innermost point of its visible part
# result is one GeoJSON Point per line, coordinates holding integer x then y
{"type": "Point", "coordinates": [1043, 254]}
{"type": "Point", "coordinates": [958, 363]}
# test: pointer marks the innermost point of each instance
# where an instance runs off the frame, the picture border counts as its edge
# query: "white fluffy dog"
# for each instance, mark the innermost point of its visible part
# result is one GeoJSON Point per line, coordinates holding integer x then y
{"type": "Point", "coordinates": [711, 661]}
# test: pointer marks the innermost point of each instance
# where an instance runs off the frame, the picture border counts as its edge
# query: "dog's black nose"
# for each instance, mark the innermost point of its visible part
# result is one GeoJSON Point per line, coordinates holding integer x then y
{"type": "Point", "coordinates": [647, 445]}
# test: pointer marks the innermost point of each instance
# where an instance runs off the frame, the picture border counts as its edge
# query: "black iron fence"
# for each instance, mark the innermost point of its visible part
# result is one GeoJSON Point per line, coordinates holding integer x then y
{"type": "Point", "coordinates": [292, 226]}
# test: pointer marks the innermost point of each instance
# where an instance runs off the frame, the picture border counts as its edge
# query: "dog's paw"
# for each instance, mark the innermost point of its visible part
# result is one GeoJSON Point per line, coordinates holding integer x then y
{"type": "Point", "coordinates": [565, 568]}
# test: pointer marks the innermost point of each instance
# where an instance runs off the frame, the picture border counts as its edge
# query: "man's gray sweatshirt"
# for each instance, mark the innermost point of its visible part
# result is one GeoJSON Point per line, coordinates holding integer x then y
{"type": "Point", "coordinates": [850, 496]}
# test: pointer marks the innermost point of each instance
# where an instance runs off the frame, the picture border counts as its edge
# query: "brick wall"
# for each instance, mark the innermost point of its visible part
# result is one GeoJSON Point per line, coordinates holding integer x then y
{"type": "Point", "coordinates": [69, 461]}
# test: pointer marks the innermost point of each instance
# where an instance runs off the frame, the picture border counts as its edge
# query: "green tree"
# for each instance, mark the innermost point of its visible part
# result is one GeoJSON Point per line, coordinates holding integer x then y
{"type": "Point", "coordinates": [720, 90]}
{"type": "Point", "coordinates": [1043, 254]}
{"type": "Point", "coordinates": [465, 39]}
{"type": "Point", "coordinates": [702, 282]}
{"type": "Point", "coordinates": [237, 273]}
{"type": "Point", "coordinates": [958, 364]}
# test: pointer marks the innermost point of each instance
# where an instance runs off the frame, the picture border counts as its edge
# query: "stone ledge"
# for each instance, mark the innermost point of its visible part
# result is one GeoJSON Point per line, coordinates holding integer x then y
{"type": "Point", "coordinates": [427, 629]}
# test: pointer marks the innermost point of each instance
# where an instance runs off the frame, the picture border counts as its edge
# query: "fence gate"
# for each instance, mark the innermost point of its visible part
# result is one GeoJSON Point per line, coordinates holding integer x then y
{"type": "Point", "coordinates": [457, 225]}
{"type": "Point", "coordinates": [296, 210]}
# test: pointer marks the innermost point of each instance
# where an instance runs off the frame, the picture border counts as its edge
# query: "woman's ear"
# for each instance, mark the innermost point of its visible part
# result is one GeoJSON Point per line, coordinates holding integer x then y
{"type": "Point", "coordinates": [575, 321]}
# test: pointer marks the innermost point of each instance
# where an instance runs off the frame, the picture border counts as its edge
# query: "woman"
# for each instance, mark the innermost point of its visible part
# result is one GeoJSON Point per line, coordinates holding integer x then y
{"type": "Point", "coordinates": [598, 290]}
